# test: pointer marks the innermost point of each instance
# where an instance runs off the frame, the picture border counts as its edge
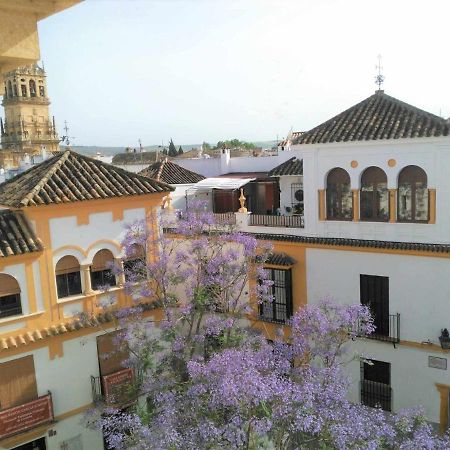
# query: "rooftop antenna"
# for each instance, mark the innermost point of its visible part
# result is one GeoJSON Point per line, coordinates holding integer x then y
{"type": "Point", "coordinates": [379, 78]}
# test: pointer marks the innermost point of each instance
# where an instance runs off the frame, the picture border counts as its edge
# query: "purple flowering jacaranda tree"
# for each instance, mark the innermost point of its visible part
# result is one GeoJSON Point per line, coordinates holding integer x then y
{"type": "Point", "coordinates": [207, 380]}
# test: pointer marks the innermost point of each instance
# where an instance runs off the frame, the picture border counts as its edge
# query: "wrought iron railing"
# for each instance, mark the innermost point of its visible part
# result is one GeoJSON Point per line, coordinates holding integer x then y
{"type": "Point", "coordinates": [387, 330]}
{"type": "Point", "coordinates": [376, 395]}
{"type": "Point", "coordinates": [277, 221]}
{"type": "Point", "coordinates": [114, 389]}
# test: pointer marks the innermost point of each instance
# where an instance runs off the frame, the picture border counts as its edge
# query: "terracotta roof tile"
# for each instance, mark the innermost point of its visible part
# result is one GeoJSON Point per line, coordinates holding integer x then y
{"type": "Point", "coordinates": [171, 173]}
{"type": "Point", "coordinates": [379, 116]}
{"type": "Point", "coordinates": [292, 166]}
{"type": "Point", "coordinates": [346, 242]}
{"type": "Point", "coordinates": [280, 259]}
{"type": "Point", "coordinates": [71, 177]}
{"type": "Point", "coordinates": [16, 235]}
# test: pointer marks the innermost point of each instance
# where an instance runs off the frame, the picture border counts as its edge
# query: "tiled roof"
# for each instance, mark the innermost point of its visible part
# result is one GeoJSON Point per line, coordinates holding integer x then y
{"type": "Point", "coordinates": [292, 166]}
{"type": "Point", "coordinates": [70, 325]}
{"type": "Point", "coordinates": [171, 173]}
{"type": "Point", "coordinates": [70, 177]}
{"type": "Point", "coordinates": [388, 245]}
{"type": "Point", "coordinates": [377, 117]}
{"type": "Point", "coordinates": [16, 235]}
{"type": "Point", "coordinates": [280, 259]}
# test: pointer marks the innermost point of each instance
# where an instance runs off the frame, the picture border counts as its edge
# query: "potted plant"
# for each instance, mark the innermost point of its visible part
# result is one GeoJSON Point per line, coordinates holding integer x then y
{"type": "Point", "coordinates": [444, 339]}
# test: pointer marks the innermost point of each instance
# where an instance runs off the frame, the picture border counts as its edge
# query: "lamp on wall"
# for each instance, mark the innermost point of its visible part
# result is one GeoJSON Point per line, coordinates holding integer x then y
{"type": "Point", "coordinates": [444, 339]}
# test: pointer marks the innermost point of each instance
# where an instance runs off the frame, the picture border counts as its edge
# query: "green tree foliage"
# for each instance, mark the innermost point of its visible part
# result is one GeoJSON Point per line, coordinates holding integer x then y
{"type": "Point", "coordinates": [172, 149]}
{"type": "Point", "coordinates": [236, 143]}
{"type": "Point", "coordinates": [206, 146]}
{"type": "Point", "coordinates": [180, 150]}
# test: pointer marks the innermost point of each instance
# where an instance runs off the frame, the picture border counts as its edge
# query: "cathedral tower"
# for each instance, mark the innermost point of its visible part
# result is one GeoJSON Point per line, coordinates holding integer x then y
{"type": "Point", "coordinates": [27, 128]}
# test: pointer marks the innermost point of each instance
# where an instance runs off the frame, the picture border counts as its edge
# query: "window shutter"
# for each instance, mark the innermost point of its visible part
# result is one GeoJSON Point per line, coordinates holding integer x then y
{"type": "Point", "coordinates": [67, 264]}
{"type": "Point", "coordinates": [101, 260]}
{"type": "Point", "coordinates": [17, 382]}
{"type": "Point", "coordinates": [109, 359]}
{"type": "Point", "coordinates": [8, 285]}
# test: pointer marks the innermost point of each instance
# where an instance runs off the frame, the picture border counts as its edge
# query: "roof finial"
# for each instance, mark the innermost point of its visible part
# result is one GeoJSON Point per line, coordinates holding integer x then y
{"type": "Point", "coordinates": [379, 78]}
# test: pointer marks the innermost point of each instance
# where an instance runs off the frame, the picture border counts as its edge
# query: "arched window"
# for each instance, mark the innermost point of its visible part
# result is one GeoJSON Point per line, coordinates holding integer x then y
{"type": "Point", "coordinates": [101, 270]}
{"type": "Point", "coordinates": [15, 90]}
{"type": "Point", "coordinates": [412, 195]}
{"type": "Point", "coordinates": [23, 88]}
{"type": "Point", "coordinates": [10, 91]}
{"type": "Point", "coordinates": [68, 278]}
{"type": "Point", "coordinates": [134, 265]}
{"type": "Point", "coordinates": [32, 88]}
{"type": "Point", "coordinates": [339, 195]}
{"type": "Point", "coordinates": [10, 304]}
{"type": "Point", "coordinates": [374, 195]}
{"type": "Point", "coordinates": [41, 91]}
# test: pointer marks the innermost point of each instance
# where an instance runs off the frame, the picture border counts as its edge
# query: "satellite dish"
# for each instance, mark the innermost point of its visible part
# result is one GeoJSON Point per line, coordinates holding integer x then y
{"type": "Point", "coordinates": [299, 195]}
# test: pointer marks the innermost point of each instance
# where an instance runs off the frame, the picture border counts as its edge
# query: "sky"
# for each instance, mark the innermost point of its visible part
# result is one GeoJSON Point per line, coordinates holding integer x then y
{"type": "Point", "coordinates": [209, 70]}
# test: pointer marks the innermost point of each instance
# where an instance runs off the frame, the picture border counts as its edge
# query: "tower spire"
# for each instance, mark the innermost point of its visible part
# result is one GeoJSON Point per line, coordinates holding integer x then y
{"type": "Point", "coordinates": [379, 78]}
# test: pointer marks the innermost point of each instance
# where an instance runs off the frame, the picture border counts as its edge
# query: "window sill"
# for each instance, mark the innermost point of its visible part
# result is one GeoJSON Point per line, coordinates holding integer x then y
{"type": "Point", "coordinates": [19, 318]}
{"type": "Point", "coordinates": [274, 321]}
{"type": "Point", "coordinates": [77, 298]}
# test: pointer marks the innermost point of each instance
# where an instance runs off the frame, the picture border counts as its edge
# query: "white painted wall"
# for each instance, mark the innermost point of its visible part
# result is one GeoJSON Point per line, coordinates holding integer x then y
{"type": "Point", "coordinates": [285, 183]}
{"type": "Point", "coordinates": [65, 231]}
{"type": "Point", "coordinates": [418, 290]}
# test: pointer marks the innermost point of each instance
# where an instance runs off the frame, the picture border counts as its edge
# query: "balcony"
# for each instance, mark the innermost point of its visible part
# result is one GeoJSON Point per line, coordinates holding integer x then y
{"type": "Point", "coordinates": [387, 330]}
{"type": "Point", "coordinates": [19, 419]}
{"type": "Point", "coordinates": [115, 389]}
{"type": "Point", "coordinates": [262, 220]}
{"type": "Point", "coordinates": [376, 395]}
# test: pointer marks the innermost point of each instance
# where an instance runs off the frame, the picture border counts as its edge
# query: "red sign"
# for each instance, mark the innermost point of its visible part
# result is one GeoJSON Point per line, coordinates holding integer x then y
{"type": "Point", "coordinates": [24, 417]}
{"type": "Point", "coordinates": [114, 384]}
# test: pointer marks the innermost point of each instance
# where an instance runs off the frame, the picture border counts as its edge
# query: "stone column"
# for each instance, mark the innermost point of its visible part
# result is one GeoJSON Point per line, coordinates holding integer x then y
{"type": "Point", "coordinates": [392, 205]}
{"type": "Point", "coordinates": [85, 270]}
{"type": "Point", "coordinates": [355, 193]}
{"type": "Point", "coordinates": [432, 205]}
{"type": "Point", "coordinates": [120, 278]}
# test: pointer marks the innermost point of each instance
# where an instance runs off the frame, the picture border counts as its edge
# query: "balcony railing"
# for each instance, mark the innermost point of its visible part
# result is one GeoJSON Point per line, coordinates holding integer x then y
{"type": "Point", "coordinates": [388, 330]}
{"type": "Point", "coordinates": [225, 218]}
{"type": "Point", "coordinates": [375, 394]}
{"type": "Point", "coordinates": [19, 419]}
{"type": "Point", "coordinates": [277, 221]}
{"type": "Point", "coordinates": [114, 389]}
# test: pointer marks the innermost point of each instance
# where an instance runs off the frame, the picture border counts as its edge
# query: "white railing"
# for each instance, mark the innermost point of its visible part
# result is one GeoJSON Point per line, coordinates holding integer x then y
{"type": "Point", "coordinates": [225, 218]}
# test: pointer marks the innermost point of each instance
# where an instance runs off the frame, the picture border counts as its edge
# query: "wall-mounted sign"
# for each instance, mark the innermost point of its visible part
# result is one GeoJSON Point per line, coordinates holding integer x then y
{"type": "Point", "coordinates": [437, 363]}
{"type": "Point", "coordinates": [24, 417]}
{"type": "Point", "coordinates": [115, 385]}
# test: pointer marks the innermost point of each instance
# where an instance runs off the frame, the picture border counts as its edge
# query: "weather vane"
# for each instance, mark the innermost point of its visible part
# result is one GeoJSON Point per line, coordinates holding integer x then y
{"type": "Point", "coordinates": [66, 138]}
{"type": "Point", "coordinates": [379, 78]}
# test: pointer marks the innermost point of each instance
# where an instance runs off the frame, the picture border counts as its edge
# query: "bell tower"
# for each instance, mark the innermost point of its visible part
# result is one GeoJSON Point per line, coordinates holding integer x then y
{"type": "Point", "coordinates": [27, 127]}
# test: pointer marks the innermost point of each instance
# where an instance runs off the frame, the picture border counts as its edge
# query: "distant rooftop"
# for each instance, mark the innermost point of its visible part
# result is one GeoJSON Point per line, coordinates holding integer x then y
{"type": "Point", "coordinates": [171, 173]}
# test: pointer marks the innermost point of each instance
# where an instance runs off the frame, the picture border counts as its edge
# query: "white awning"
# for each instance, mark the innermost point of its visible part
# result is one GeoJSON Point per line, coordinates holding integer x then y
{"type": "Point", "coordinates": [219, 183]}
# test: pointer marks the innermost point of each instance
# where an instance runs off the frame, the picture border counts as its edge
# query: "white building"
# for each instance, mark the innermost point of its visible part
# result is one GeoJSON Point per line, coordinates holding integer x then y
{"type": "Point", "coordinates": [375, 229]}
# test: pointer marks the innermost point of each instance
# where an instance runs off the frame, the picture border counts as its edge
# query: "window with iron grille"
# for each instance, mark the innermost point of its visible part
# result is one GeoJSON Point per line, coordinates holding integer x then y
{"type": "Point", "coordinates": [281, 307]}
{"type": "Point", "coordinates": [376, 388]}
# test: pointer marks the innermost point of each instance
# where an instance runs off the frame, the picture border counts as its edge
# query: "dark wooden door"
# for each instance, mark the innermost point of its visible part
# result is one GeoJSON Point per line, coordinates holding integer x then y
{"type": "Point", "coordinates": [374, 291]}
